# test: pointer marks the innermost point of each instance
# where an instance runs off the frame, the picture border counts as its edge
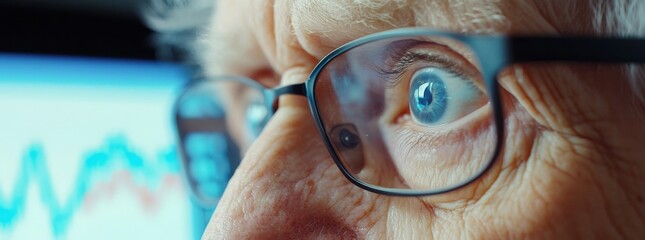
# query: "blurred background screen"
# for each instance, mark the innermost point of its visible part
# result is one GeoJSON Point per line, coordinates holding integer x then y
{"type": "Point", "coordinates": [88, 143]}
{"type": "Point", "coordinates": [88, 149]}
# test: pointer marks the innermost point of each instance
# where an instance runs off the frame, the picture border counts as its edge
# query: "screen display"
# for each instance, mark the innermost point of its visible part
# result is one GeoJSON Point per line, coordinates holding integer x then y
{"type": "Point", "coordinates": [88, 150]}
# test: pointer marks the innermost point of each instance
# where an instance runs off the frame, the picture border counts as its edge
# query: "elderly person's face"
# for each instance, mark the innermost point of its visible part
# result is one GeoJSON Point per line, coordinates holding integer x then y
{"type": "Point", "coordinates": [572, 160]}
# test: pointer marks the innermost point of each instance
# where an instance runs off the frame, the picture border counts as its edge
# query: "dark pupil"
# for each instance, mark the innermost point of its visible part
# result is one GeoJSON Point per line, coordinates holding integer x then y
{"type": "Point", "coordinates": [424, 97]}
{"type": "Point", "coordinates": [348, 139]}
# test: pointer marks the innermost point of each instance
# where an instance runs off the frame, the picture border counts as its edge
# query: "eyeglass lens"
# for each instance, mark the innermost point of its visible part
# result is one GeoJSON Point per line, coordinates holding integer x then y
{"type": "Point", "coordinates": [217, 120]}
{"type": "Point", "coordinates": [407, 113]}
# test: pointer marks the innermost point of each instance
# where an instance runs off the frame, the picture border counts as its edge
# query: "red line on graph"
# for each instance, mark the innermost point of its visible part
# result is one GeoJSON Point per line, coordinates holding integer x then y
{"type": "Point", "coordinates": [124, 181]}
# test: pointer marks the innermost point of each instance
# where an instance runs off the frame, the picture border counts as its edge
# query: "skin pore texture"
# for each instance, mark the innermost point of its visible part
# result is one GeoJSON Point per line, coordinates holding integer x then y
{"type": "Point", "coordinates": [571, 166]}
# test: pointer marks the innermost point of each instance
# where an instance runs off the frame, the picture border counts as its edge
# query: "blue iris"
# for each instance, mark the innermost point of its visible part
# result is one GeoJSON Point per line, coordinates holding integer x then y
{"type": "Point", "coordinates": [428, 98]}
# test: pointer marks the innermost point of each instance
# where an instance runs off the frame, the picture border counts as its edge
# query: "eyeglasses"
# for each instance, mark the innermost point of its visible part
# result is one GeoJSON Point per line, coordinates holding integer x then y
{"type": "Point", "coordinates": [406, 112]}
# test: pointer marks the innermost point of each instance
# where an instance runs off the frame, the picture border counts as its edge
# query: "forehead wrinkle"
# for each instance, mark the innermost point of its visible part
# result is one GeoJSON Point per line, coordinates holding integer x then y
{"type": "Point", "coordinates": [318, 27]}
{"type": "Point", "coordinates": [321, 26]}
{"type": "Point", "coordinates": [463, 16]}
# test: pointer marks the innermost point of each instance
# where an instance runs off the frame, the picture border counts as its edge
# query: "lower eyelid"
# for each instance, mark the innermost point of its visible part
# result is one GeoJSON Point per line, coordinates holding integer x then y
{"type": "Point", "coordinates": [402, 120]}
{"type": "Point", "coordinates": [405, 127]}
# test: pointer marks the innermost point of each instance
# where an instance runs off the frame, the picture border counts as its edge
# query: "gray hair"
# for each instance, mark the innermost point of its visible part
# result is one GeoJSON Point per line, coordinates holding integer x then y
{"type": "Point", "coordinates": [624, 18]}
{"type": "Point", "coordinates": [177, 24]}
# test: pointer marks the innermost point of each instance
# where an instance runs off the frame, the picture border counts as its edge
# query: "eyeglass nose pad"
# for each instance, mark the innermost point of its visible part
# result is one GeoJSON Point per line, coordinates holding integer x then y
{"type": "Point", "coordinates": [347, 142]}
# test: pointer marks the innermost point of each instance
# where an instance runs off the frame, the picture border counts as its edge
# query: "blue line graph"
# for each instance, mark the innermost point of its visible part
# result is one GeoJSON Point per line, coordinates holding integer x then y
{"type": "Point", "coordinates": [34, 170]}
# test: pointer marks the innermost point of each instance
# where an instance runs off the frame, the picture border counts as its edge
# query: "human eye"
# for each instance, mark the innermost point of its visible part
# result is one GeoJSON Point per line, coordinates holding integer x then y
{"type": "Point", "coordinates": [432, 85]}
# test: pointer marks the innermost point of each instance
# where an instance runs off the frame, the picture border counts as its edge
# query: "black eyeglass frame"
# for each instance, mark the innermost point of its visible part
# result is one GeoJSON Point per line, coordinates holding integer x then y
{"type": "Point", "coordinates": [493, 52]}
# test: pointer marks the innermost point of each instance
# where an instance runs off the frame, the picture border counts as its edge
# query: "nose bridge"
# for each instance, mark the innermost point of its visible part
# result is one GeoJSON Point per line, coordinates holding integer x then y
{"type": "Point", "coordinates": [289, 146]}
{"type": "Point", "coordinates": [291, 133]}
{"type": "Point", "coordinates": [282, 184]}
{"type": "Point", "coordinates": [278, 176]}
{"type": "Point", "coordinates": [291, 139]}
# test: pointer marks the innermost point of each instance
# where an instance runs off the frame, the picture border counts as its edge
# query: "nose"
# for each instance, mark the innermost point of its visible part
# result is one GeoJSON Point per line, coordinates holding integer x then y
{"type": "Point", "coordinates": [287, 186]}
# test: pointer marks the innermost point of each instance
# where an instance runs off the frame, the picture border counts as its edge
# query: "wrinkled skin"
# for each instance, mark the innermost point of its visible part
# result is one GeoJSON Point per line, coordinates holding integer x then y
{"type": "Point", "coordinates": [572, 165]}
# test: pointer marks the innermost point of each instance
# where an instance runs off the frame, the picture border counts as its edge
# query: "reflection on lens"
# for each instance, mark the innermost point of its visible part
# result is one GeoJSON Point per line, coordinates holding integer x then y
{"type": "Point", "coordinates": [428, 96]}
{"type": "Point", "coordinates": [407, 113]}
{"type": "Point", "coordinates": [217, 121]}
{"type": "Point", "coordinates": [209, 165]}
{"type": "Point", "coordinates": [256, 117]}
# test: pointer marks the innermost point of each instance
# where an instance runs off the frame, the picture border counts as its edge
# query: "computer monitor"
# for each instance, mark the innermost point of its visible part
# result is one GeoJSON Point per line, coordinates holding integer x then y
{"type": "Point", "coordinates": [88, 150]}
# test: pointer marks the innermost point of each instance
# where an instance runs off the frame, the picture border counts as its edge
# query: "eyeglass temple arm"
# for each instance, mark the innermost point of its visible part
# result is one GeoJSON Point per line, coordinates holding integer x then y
{"type": "Point", "coordinates": [576, 49]}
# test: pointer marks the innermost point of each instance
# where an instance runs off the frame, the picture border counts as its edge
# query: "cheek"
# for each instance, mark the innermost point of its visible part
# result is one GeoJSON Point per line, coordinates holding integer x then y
{"type": "Point", "coordinates": [546, 189]}
{"type": "Point", "coordinates": [410, 218]}
{"type": "Point", "coordinates": [537, 186]}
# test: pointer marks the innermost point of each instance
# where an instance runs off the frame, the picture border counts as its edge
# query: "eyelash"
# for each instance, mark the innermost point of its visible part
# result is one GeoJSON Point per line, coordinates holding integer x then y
{"type": "Point", "coordinates": [407, 58]}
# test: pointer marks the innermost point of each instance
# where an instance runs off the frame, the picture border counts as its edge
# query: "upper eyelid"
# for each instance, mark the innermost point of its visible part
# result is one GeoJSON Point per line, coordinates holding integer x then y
{"type": "Point", "coordinates": [401, 56]}
{"type": "Point", "coordinates": [410, 58]}
{"type": "Point", "coordinates": [394, 74]}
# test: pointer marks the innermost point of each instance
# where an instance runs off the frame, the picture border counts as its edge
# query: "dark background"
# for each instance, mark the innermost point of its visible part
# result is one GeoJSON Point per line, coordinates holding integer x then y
{"type": "Point", "coordinates": [105, 28]}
